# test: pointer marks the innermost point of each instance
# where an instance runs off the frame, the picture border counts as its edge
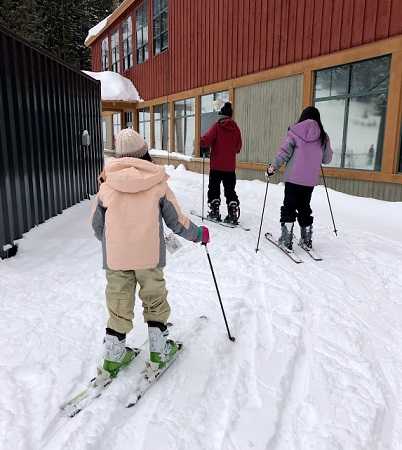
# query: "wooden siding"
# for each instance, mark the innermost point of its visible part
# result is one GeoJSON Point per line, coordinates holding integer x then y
{"type": "Point", "coordinates": [263, 112]}
{"type": "Point", "coordinates": [212, 41]}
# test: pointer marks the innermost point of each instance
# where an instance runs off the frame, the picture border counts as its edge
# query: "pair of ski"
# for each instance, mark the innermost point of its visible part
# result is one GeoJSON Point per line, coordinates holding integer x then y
{"type": "Point", "coordinates": [147, 377]}
{"type": "Point", "coordinates": [291, 253]}
{"type": "Point", "coordinates": [220, 222]}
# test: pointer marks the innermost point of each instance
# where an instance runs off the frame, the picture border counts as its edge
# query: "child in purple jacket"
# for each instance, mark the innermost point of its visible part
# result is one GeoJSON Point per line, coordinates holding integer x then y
{"type": "Point", "coordinates": [303, 150]}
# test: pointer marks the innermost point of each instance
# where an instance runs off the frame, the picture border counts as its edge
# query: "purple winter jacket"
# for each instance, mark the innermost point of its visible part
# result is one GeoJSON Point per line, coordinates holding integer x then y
{"type": "Point", "coordinates": [303, 154]}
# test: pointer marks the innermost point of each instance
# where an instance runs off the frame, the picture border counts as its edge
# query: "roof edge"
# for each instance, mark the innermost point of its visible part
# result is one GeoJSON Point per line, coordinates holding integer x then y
{"type": "Point", "coordinates": [112, 18]}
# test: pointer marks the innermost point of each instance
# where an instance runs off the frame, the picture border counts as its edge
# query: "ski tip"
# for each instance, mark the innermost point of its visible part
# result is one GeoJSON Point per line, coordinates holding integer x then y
{"type": "Point", "coordinates": [203, 317]}
{"type": "Point", "coordinates": [134, 402]}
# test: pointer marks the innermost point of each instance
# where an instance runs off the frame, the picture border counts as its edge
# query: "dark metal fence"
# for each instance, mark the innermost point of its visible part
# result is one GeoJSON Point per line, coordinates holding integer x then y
{"type": "Point", "coordinates": [44, 108]}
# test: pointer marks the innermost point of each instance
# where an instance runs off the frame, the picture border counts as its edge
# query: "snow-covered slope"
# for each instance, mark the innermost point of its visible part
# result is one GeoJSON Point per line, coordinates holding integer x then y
{"type": "Point", "coordinates": [317, 362]}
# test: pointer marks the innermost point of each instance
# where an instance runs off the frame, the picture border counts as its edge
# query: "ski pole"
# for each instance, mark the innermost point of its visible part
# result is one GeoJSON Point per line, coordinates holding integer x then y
{"type": "Point", "coordinates": [203, 184]}
{"type": "Point", "coordinates": [329, 203]}
{"type": "Point", "coordinates": [262, 215]}
{"type": "Point", "coordinates": [219, 295]}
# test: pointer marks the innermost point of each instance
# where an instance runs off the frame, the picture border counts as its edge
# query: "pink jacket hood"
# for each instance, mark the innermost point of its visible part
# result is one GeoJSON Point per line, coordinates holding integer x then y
{"type": "Point", "coordinates": [132, 175]}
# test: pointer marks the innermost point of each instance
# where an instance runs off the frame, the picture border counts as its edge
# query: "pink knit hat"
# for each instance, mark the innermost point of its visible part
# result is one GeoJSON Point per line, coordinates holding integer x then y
{"type": "Point", "coordinates": [130, 143]}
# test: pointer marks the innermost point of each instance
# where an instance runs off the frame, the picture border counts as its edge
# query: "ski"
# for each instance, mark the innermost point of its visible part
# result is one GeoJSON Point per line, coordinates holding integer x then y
{"type": "Point", "coordinates": [94, 390]}
{"type": "Point", "coordinates": [311, 252]}
{"type": "Point", "coordinates": [150, 376]}
{"type": "Point", "coordinates": [290, 253]}
{"type": "Point", "coordinates": [220, 222]}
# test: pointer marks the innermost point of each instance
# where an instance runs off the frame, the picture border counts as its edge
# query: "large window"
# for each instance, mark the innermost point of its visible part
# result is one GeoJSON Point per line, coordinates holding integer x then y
{"type": "Point", "coordinates": [160, 25]}
{"type": "Point", "coordinates": [144, 122]}
{"type": "Point", "coordinates": [161, 126]}
{"type": "Point", "coordinates": [105, 54]}
{"type": "Point", "coordinates": [210, 106]}
{"type": "Point", "coordinates": [142, 33]}
{"type": "Point", "coordinates": [115, 52]}
{"type": "Point", "coordinates": [185, 126]}
{"type": "Point", "coordinates": [352, 100]}
{"type": "Point", "coordinates": [127, 29]}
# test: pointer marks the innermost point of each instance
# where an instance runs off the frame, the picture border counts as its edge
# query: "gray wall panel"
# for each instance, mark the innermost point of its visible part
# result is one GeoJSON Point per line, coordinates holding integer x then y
{"type": "Point", "coordinates": [381, 191]}
{"type": "Point", "coordinates": [263, 112]}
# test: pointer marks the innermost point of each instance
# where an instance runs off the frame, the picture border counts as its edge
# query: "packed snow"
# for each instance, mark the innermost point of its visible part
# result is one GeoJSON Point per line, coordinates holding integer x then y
{"type": "Point", "coordinates": [115, 87]}
{"type": "Point", "coordinates": [317, 362]}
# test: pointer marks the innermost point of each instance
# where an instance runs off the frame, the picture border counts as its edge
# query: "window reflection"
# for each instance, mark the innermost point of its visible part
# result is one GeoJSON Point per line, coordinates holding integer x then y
{"type": "Point", "coordinates": [353, 100]}
{"type": "Point", "coordinates": [332, 115]}
{"type": "Point", "coordinates": [210, 106]}
{"type": "Point", "coordinates": [185, 126]}
{"type": "Point", "coordinates": [366, 123]}
{"type": "Point", "coordinates": [144, 123]}
{"type": "Point", "coordinates": [161, 124]}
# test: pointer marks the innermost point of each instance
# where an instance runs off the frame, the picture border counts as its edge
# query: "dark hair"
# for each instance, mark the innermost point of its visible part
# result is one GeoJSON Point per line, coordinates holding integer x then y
{"type": "Point", "coordinates": [312, 113]}
{"type": "Point", "coordinates": [147, 157]}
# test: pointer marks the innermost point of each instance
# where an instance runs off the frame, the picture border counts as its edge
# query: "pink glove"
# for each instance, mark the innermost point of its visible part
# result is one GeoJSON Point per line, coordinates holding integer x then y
{"type": "Point", "coordinates": [203, 235]}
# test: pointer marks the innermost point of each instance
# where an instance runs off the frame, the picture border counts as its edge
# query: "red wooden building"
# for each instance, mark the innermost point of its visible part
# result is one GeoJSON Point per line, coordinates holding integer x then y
{"type": "Point", "coordinates": [270, 58]}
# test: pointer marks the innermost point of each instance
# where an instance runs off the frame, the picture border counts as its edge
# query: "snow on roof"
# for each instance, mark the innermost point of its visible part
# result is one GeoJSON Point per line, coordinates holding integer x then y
{"type": "Point", "coordinates": [115, 87]}
{"type": "Point", "coordinates": [97, 29]}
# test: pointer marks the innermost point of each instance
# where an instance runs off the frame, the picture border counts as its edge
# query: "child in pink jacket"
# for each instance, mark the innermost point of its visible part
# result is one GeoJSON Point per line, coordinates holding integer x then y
{"type": "Point", "coordinates": [133, 202]}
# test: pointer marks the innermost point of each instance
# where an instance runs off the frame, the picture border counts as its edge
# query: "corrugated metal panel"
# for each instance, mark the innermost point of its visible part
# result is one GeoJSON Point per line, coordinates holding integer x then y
{"type": "Point", "coordinates": [211, 41]}
{"type": "Point", "coordinates": [263, 112]}
{"type": "Point", "coordinates": [44, 107]}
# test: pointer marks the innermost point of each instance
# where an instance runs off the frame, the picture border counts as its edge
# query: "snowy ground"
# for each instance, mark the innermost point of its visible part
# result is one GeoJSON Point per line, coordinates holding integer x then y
{"type": "Point", "coordinates": [317, 363]}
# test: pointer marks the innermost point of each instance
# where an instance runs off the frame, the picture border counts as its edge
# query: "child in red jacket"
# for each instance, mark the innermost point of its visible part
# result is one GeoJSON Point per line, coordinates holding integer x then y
{"type": "Point", "coordinates": [224, 138]}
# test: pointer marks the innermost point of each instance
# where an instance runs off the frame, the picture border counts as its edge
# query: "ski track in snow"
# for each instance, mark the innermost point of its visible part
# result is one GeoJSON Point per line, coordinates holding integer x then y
{"type": "Point", "coordinates": [317, 362]}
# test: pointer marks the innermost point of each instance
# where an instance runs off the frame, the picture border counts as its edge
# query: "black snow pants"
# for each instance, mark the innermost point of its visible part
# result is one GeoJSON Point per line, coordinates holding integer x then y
{"type": "Point", "coordinates": [297, 204]}
{"type": "Point", "coordinates": [229, 184]}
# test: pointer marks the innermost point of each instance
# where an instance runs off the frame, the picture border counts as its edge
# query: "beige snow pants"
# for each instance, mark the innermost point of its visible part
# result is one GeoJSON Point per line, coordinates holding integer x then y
{"type": "Point", "coordinates": [120, 294]}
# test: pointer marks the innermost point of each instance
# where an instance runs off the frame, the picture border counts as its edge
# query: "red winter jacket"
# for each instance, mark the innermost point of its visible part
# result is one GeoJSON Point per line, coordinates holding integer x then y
{"type": "Point", "coordinates": [224, 138]}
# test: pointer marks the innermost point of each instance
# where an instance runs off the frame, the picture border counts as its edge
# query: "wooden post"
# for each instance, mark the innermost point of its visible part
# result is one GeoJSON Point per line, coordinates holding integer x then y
{"type": "Point", "coordinates": [152, 127]}
{"type": "Point", "coordinates": [197, 133]}
{"type": "Point", "coordinates": [307, 88]}
{"type": "Point", "coordinates": [232, 97]}
{"type": "Point", "coordinates": [136, 125]}
{"type": "Point", "coordinates": [392, 123]}
{"type": "Point", "coordinates": [123, 119]}
{"type": "Point", "coordinates": [171, 127]}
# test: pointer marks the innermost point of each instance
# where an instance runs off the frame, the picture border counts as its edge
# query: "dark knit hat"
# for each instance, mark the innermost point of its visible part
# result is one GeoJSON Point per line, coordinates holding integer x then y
{"type": "Point", "coordinates": [226, 110]}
